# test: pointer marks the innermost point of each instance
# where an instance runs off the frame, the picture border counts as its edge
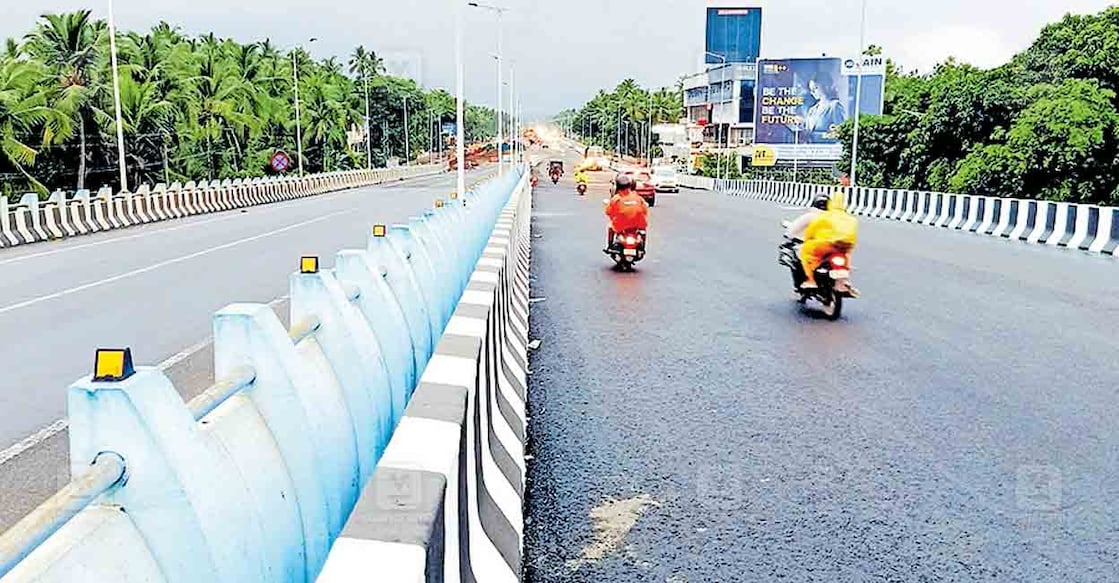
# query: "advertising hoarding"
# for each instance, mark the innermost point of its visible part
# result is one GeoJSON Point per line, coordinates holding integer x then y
{"type": "Point", "coordinates": [802, 102]}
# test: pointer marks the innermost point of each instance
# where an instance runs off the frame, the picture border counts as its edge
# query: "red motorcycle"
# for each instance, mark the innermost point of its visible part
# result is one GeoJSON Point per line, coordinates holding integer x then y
{"type": "Point", "coordinates": [627, 248]}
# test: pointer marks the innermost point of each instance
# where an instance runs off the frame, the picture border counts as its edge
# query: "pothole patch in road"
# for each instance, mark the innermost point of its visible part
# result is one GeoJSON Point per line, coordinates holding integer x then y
{"type": "Point", "coordinates": [613, 520]}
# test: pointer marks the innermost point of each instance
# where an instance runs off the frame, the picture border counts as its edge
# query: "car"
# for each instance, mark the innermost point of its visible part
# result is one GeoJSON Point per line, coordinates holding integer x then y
{"type": "Point", "coordinates": [664, 179]}
{"type": "Point", "coordinates": [643, 183]}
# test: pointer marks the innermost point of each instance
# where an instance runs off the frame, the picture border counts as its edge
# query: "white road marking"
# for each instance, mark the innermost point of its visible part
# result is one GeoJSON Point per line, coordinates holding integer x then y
{"type": "Point", "coordinates": [32, 440]}
{"type": "Point", "coordinates": [155, 266]}
{"type": "Point", "coordinates": [49, 431]}
{"type": "Point", "coordinates": [115, 240]}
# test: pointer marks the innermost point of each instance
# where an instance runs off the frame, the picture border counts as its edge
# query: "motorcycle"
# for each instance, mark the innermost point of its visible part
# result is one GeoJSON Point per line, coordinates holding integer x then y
{"type": "Point", "coordinates": [833, 279]}
{"type": "Point", "coordinates": [627, 248]}
{"type": "Point", "coordinates": [555, 174]}
{"type": "Point", "coordinates": [581, 188]}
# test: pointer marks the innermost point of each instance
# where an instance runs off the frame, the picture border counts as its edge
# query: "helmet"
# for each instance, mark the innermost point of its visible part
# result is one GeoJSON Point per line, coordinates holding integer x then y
{"type": "Point", "coordinates": [623, 182]}
{"type": "Point", "coordinates": [821, 202]}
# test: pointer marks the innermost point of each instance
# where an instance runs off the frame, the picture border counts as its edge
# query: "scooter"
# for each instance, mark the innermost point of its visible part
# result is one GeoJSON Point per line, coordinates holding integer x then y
{"type": "Point", "coordinates": [627, 249]}
{"type": "Point", "coordinates": [833, 278]}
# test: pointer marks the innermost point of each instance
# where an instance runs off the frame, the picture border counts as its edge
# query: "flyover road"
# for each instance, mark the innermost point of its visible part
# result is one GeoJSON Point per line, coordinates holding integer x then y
{"type": "Point", "coordinates": [689, 422]}
{"type": "Point", "coordinates": [153, 288]}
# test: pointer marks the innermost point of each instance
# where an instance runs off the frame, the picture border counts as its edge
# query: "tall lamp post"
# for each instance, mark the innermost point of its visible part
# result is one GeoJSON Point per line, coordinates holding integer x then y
{"type": "Point", "coordinates": [719, 129]}
{"type": "Point", "coordinates": [407, 136]}
{"type": "Point", "coordinates": [858, 97]}
{"type": "Point", "coordinates": [460, 119]}
{"type": "Point", "coordinates": [116, 100]}
{"type": "Point", "coordinates": [298, 113]}
{"type": "Point", "coordinates": [500, 11]}
{"type": "Point", "coordinates": [368, 132]}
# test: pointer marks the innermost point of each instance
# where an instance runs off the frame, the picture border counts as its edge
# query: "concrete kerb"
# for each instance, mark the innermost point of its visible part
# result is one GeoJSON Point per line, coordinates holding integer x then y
{"type": "Point", "coordinates": [60, 216]}
{"type": "Point", "coordinates": [1084, 227]}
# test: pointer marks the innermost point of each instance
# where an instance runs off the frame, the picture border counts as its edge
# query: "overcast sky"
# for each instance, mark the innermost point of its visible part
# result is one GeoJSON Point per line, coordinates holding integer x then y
{"type": "Point", "coordinates": [565, 50]}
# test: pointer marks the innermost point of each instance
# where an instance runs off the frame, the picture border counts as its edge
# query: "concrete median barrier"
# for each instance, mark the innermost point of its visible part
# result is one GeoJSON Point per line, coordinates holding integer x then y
{"type": "Point", "coordinates": [33, 221]}
{"type": "Point", "coordinates": [1084, 227]}
{"type": "Point", "coordinates": [445, 503]}
{"type": "Point", "coordinates": [255, 478]}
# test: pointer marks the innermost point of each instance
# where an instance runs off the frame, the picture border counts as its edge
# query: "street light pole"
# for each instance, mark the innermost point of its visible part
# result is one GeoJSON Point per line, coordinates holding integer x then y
{"type": "Point", "coordinates": [796, 152]}
{"type": "Point", "coordinates": [368, 133]}
{"type": "Point", "coordinates": [858, 96]}
{"type": "Point", "coordinates": [116, 101]}
{"type": "Point", "coordinates": [407, 135]}
{"type": "Point", "coordinates": [460, 132]}
{"type": "Point", "coordinates": [719, 127]}
{"type": "Point", "coordinates": [513, 132]}
{"type": "Point", "coordinates": [298, 114]}
{"type": "Point", "coordinates": [500, 11]}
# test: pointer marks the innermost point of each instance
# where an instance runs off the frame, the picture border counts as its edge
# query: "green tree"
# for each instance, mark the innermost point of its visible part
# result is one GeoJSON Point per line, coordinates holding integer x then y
{"type": "Point", "coordinates": [71, 46]}
{"type": "Point", "coordinates": [23, 112]}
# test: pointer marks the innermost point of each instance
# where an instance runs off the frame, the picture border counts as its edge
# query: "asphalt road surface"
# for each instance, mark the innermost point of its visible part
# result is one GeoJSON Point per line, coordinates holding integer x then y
{"type": "Point", "coordinates": [154, 288]}
{"type": "Point", "coordinates": [690, 422]}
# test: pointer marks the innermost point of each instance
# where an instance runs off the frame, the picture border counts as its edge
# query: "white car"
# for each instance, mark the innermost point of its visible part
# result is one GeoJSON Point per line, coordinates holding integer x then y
{"type": "Point", "coordinates": [664, 179]}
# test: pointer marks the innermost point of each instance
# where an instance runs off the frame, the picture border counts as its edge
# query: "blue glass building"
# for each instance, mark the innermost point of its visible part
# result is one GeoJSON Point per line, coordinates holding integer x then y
{"type": "Point", "coordinates": [733, 33]}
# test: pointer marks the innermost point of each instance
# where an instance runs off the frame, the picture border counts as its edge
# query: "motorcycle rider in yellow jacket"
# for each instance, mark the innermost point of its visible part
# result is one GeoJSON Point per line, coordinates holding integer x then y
{"type": "Point", "coordinates": [832, 231]}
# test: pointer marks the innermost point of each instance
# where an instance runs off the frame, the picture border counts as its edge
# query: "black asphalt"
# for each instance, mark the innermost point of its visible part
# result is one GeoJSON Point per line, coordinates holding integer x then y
{"type": "Point", "coordinates": [959, 423]}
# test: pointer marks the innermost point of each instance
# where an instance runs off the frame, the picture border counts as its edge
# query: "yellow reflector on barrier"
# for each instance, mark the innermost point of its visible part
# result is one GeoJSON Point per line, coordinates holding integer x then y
{"type": "Point", "coordinates": [438, 204]}
{"type": "Point", "coordinates": [454, 196]}
{"type": "Point", "coordinates": [308, 264]}
{"type": "Point", "coordinates": [112, 365]}
{"type": "Point", "coordinates": [379, 230]}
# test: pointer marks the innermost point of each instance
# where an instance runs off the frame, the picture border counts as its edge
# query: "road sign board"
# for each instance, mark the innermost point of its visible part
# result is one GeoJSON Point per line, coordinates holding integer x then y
{"type": "Point", "coordinates": [764, 156]}
{"type": "Point", "coordinates": [280, 162]}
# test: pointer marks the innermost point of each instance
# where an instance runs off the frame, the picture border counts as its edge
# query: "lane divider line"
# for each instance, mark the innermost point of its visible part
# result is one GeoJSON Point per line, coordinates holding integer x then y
{"type": "Point", "coordinates": [49, 431]}
{"type": "Point", "coordinates": [155, 266]}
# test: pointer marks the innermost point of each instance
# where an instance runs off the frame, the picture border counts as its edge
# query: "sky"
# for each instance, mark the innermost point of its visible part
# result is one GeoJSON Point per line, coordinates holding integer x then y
{"type": "Point", "coordinates": [565, 50]}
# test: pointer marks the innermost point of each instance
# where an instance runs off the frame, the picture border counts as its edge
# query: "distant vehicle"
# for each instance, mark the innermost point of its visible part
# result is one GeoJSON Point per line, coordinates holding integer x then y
{"type": "Point", "coordinates": [595, 159]}
{"type": "Point", "coordinates": [643, 184]}
{"type": "Point", "coordinates": [664, 179]}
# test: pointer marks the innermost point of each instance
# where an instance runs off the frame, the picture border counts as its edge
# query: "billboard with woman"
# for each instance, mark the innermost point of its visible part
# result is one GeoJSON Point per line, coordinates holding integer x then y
{"type": "Point", "coordinates": [802, 102]}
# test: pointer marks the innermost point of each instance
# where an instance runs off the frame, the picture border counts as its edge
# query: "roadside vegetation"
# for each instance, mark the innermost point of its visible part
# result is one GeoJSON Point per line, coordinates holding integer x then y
{"type": "Point", "coordinates": [195, 107]}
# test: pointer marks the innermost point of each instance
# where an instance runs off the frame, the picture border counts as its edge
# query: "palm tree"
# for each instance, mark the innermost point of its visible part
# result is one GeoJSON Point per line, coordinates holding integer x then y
{"type": "Point", "coordinates": [23, 112]}
{"type": "Point", "coordinates": [70, 45]}
{"type": "Point", "coordinates": [147, 117]}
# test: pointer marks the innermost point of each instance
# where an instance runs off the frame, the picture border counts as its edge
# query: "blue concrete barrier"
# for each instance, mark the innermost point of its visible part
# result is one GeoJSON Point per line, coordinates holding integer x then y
{"type": "Point", "coordinates": [254, 479]}
{"type": "Point", "coordinates": [445, 502]}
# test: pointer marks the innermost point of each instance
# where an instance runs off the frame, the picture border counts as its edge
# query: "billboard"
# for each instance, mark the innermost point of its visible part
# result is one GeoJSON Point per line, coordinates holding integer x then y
{"type": "Point", "coordinates": [734, 33]}
{"type": "Point", "coordinates": [802, 102]}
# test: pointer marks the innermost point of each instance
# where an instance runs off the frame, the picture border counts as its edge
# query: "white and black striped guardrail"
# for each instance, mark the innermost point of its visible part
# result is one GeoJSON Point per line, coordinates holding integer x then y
{"type": "Point", "coordinates": [62, 215]}
{"type": "Point", "coordinates": [1090, 228]}
{"type": "Point", "coordinates": [255, 478]}
{"type": "Point", "coordinates": [445, 502]}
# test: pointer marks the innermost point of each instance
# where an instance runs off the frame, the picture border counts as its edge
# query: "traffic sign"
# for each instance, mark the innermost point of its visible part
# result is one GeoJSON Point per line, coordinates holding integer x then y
{"type": "Point", "coordinates": [280, 162]}
{"type": "Point", "coordinates": [764, 156]}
